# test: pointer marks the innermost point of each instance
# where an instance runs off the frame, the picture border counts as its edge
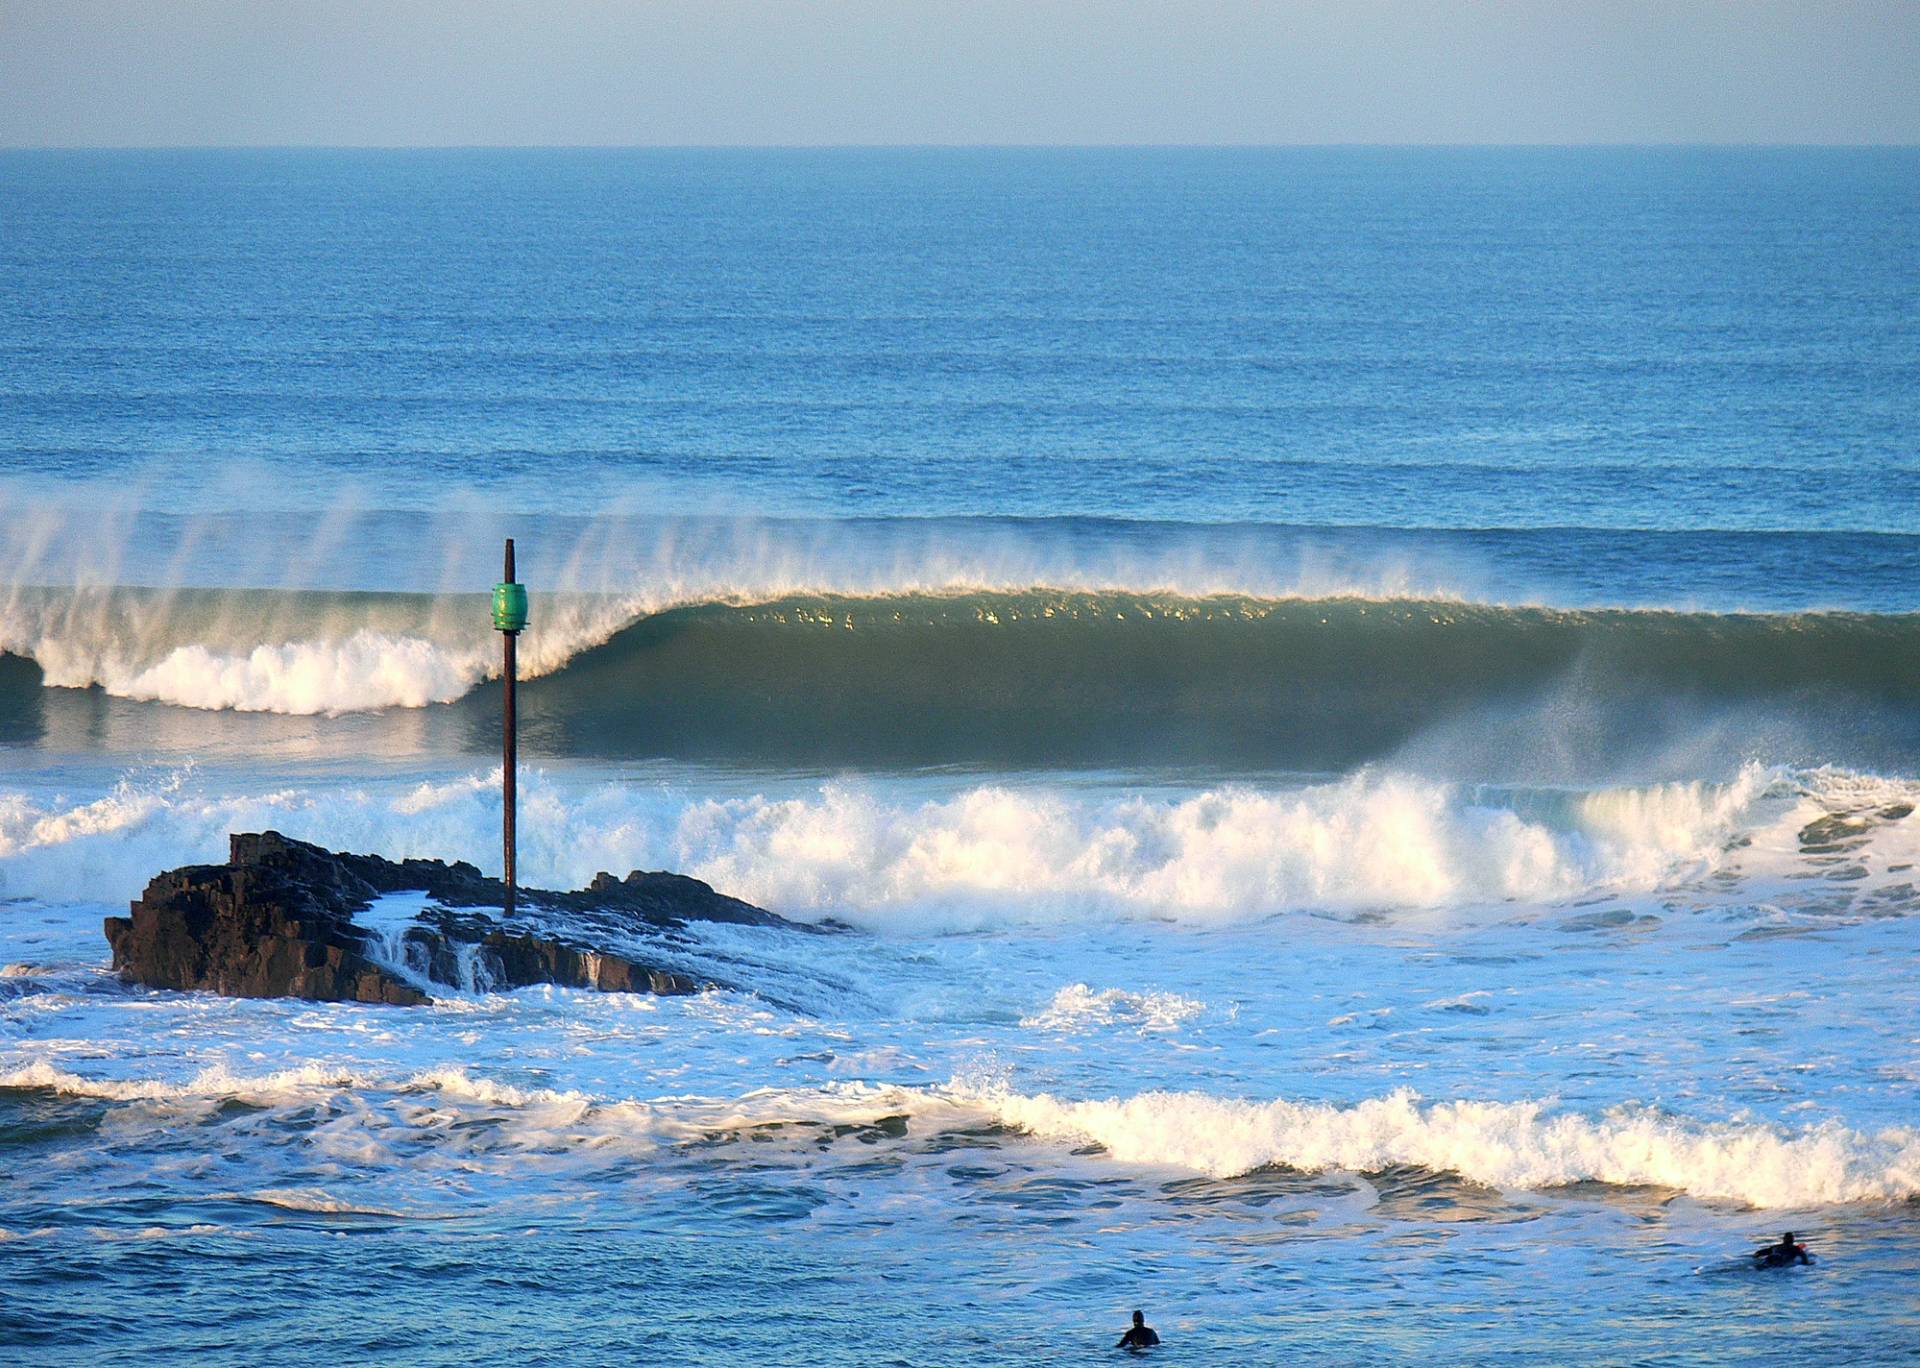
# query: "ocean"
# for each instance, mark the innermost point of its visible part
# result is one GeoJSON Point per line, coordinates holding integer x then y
{"type": "Point", "coordinates": [1356, 711]}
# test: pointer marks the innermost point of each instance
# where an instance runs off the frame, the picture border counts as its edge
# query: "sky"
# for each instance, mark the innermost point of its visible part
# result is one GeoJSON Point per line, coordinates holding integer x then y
{"type": "Point", "coordinates": [678, 72]}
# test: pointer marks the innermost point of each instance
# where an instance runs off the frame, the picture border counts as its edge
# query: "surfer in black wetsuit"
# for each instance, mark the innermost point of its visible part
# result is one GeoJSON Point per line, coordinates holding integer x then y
{"type": "Point", "coordinates": [1141, 1336]}
{"type": "Point", "coordinates": [1781, 1255]}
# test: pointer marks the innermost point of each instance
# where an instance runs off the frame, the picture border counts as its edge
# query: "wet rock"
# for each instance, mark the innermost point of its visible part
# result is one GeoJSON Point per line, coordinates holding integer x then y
{"type": "Point", "coordinates": [278, 920]}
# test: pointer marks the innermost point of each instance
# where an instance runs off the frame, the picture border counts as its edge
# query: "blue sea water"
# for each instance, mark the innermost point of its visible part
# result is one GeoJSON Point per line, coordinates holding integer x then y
{"type": "Point", "coordinates": [1622, 339]}
{"type": "Point", "coordinates": [1362, 705]}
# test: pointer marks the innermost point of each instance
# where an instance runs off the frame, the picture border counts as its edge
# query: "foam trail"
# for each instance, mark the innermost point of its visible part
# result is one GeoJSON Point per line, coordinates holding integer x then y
{"type": "Point", "coordinates": [564, 1120]}
{"type": "Point", "coordinates": [1515, 1145]}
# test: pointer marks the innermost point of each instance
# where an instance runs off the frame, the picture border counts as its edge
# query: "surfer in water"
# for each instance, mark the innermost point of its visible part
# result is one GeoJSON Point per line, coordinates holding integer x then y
{"type": "Point", "coordinates": [1140, 1335]}
{"type": "Point", "coordinates": [1781, 1255]}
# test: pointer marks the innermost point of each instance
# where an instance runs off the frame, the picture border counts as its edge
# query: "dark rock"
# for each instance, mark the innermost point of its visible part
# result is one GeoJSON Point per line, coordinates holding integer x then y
{"type": "Point", "coordinates": [277, 920]}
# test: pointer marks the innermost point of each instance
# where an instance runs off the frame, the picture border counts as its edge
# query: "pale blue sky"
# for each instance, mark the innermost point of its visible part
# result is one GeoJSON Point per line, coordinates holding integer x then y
{"type": "Point", "coordinates": [437, 72]}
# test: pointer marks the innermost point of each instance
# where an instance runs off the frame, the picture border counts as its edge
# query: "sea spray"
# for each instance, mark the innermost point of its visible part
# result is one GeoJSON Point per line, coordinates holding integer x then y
{"type": "Point", "coordinates": [986, 855]}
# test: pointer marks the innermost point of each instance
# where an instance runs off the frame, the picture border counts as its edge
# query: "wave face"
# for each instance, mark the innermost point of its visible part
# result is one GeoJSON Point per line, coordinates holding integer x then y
{"type": "Point", "coordinates": [1033, 677]}
{"type": "Point", "coordinates": [1079, 678]}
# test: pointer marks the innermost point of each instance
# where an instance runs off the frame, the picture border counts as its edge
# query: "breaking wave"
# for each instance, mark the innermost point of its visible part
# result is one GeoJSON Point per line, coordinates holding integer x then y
{"type": "Point", "coordinates": [1524, 1146]}
{"type": "Point", "coordinates": [887, 856]}
{"type": "Point", "coordinates": [292, 652]}
{"type": "Point", "coordinates": [1013, 678]}
{"type": "Point", "coordinates": [1511, 1145]}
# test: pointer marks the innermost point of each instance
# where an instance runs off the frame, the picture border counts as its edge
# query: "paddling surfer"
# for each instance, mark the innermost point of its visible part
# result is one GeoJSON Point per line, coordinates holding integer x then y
{"type": "Point", "coordinates": [1140, 1336]}
{"type": "Point", "coordinates": [1782, 1255]}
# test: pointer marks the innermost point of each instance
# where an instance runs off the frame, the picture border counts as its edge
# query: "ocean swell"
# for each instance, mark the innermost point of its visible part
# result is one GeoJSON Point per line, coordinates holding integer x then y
{"type": "Point", "coordinates": [1015, 678]}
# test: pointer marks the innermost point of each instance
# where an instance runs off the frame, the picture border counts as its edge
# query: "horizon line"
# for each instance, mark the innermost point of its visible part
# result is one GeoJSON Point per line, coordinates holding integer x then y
{"type": "Point", "coordinates": [1355, 145]}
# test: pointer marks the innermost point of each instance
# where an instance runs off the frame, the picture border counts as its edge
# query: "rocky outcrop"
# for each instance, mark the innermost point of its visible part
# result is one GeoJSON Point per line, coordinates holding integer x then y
{"type": "Point", "coordinates": [279, 920]}
{"type": "Point", "coordinates": [248, 931]}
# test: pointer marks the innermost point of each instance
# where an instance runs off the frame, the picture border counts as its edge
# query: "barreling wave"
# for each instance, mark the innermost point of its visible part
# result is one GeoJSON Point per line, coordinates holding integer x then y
{"type": "Point", "coordinates": [1051, 678]}
{"type": "Point", "coordinates": [1011, 678]}
{"type": "Point", "coordinates": [1514, 1146]}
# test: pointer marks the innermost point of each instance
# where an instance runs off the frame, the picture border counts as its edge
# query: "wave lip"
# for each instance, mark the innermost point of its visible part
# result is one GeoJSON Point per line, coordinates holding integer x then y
{"type": "Point", "coordinates": [1513, 1145]}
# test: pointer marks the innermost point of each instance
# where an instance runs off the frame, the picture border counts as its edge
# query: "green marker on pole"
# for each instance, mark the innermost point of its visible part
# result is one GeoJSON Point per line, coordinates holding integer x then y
{"type": "Point", "coordinates": [509, 618]}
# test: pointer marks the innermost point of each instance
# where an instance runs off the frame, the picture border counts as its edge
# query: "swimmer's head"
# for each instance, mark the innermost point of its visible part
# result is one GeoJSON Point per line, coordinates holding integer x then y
{"type": "Point", "coordinates": [1140, 1317]}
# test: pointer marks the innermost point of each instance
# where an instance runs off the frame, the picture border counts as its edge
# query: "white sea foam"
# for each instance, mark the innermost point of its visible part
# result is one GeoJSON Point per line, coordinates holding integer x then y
{"type": "Point", "coordinates": [365, 670]}
{"type": "Point", "coordinates": [1078, 1006]}
{"type": "Point", "coordinates": [1516, 1145]}
{"type": "Point", "coordinates": [989, 855]}
{"type": "Point", "coordinates": [216, 1081]}
{"type": "Point", "coordinates": [1509, 1145]}
{"type": "Point", "coordinates": [997, 854]}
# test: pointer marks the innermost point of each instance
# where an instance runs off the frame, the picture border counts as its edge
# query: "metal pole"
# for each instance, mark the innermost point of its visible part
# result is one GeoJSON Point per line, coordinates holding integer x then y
{"type": "Point", "coordinates": [510, 749]}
